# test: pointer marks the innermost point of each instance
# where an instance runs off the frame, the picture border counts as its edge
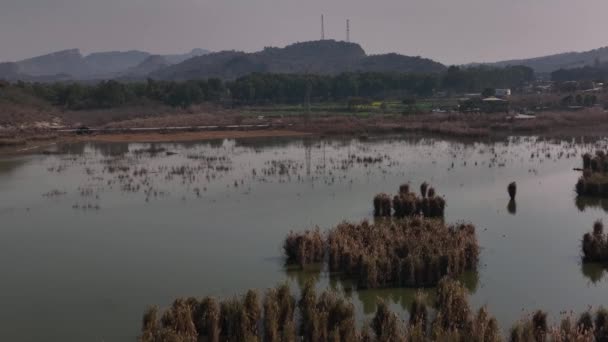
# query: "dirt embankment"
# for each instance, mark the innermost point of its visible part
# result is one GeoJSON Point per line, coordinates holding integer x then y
{"type": "Point", "coordinates": [591, 122]}
{"type": "Point", "coordinates": [184, 136]}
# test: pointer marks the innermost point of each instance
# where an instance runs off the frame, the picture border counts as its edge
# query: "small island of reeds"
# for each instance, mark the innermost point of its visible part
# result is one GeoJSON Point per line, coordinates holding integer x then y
{"type": "Point", "coordinates": [594, 181]}
{"type": "Point", "coordinates": [595, 244]}
{"type": "Point", "coordinates": [407, 203]}
{"type": "Point", "coordinates": [414, 252]}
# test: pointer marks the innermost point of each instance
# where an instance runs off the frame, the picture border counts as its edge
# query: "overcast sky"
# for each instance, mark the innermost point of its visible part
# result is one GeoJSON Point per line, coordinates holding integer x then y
{"type": "Point", "coordinates": [449, 31]}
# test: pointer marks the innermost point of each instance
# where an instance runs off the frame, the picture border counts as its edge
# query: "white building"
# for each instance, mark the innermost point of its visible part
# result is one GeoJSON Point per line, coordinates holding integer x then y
{"type": "Point", "coordinates": [502, 92]}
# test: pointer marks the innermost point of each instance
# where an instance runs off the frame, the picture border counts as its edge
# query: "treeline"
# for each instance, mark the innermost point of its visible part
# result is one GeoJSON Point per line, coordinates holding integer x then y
{"type": "Point", "coordinates": [264, 88]}
{"type": "Point", "coordinates": [588, 73]}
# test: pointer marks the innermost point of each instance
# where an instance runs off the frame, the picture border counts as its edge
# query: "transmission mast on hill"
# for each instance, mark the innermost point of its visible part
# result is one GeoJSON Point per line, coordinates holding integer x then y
{"type": "Point", "coordinates": [322, 27]}
{"type": "Point", "coordinates": [348, 30]}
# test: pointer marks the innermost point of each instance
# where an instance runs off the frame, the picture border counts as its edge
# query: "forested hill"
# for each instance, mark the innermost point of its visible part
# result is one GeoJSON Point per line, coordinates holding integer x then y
{"type": "Point", "coordinates": [317, 57]}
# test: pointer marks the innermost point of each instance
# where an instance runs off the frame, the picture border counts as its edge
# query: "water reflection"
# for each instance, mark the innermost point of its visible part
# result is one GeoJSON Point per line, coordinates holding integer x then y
{"type": "Point", "coordinates": [7, 166]}
{"type": "Point", "coordinates": [595, 272]}
{"type": "Point", "coordinates": [302, 276]}
{"type": "Point", "coordinates": [512, 207]}
{"type": "Point", "coordinates": [584, 202]}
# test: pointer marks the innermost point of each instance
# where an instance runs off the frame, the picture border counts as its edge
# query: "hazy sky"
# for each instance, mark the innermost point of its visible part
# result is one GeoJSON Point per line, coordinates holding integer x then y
{"type": "Point", "coordinates": [450, 31]}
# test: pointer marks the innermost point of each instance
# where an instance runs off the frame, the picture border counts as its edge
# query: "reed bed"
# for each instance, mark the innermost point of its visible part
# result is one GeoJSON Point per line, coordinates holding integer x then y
{"type": "Point", "coordinates": [317, 318]}
{"type": "Point", "coordinates": [407, 253]}
{"type": "Point", "coordinates": [409, 204]}
{"type": "Point", "coordinates": [588, 326]}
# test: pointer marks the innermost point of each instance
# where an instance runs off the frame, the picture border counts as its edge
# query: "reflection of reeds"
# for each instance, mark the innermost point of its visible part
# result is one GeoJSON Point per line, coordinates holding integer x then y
{"type": "Point", "coordinates": [512, 207]}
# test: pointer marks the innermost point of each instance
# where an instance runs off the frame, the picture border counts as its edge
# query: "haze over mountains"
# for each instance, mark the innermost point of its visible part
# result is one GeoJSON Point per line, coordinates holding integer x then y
{"type": "Point", "coordinates": [568, 60]}
{"type": "Point", "coordinates": [318, 57]}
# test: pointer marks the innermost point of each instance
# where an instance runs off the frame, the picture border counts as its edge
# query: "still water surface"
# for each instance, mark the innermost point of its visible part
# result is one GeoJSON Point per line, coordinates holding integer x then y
{"type": "Point", "coordinates": [92, 235]}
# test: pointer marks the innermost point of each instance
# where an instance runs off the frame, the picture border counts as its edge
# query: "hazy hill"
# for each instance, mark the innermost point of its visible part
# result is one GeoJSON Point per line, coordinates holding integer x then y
{"type": "Point", "coordinates": [151, 64]}
{"type": "Point", "coordinates": [568, 60]}
{"type": "Point", "coordinates": [176, 59]}
{"type": "Point", "coordinates": [319, 57]}
{"type": "Point", "coordinates": [71, 64]}
{"type": "Point", "coordinates": [68, 61]}
{"type": "Point", "coordinates": [114, 61]}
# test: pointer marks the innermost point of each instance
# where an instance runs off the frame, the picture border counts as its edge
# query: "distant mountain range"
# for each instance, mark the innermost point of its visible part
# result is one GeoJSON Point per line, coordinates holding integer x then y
{"type": "Point", "coordinates": [317, 57]}
{"type": "Point", "coordinates": [568, 60]}
{"type": "Point", "coordinates": [71, 64]}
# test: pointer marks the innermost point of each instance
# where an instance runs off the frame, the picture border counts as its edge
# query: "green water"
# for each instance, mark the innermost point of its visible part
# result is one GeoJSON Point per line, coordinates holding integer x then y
{"type": "Point", "coordinates": [70, 273]}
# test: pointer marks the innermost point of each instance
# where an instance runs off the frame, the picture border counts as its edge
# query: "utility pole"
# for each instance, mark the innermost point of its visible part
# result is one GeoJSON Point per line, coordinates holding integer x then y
{"type": "Point", "coordinates": [322, 27]}
{"type": "Point", "coordinates": [348, 30]}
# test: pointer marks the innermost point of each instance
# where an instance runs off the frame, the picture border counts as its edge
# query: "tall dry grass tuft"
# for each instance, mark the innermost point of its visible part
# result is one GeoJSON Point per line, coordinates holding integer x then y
{"type": "Point", "coordinates": [453, 312]}
{"type": "Point", "coordinates": [304, 248]}
{"type": "Point", "coordinates": [178, 320]}
{"type": "Point", "coordinates": [233, 320]}
{"type": "Point", "coordinates": [208, 319]}
{"type": "Point", "coordinates": [418, 311]}
{"type": "Point", "coordinates": [386, 325]}
{"type": "Point", "coordinates": [253, 312]}
{"type": "Point", "coordinates": [382, 205]}
{"type": "Point", "coordinates": [271, 317]}
{"type": "Point", "coordinates": [150, 327]}
{"type": "Point", "coordinates": [424, 189]}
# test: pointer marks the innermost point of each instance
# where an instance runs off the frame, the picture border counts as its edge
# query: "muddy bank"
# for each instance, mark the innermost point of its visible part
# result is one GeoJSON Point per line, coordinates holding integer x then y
{"type": "Point", "coordinates": [183, 136]}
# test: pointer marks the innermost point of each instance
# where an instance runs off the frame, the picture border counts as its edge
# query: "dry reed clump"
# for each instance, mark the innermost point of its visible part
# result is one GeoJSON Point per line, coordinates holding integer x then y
{"type": "Point", "coordinates": [304, 248]}
{"type": "Point", "coordinates": [408, 204]}
{"type": "Point", "coordinates": [409, 252]}
{"type": "Point", "coordinates": [595, 244]}
{"type": "Point", "coordinates": [594, 181]}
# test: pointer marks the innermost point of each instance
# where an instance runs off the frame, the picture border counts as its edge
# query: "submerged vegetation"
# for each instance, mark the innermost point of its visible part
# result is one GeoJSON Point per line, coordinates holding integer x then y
{"type": "Point", "coordinates": [406, 253]}
{"type": "Point", "coordinates": [325, 317]}
{"type": "Point", "coordinates": [409, 204]}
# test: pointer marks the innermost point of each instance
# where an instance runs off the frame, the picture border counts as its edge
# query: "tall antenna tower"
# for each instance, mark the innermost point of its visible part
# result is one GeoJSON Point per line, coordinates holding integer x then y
{"type": "Point", "coordinates": [322, 27]}
{"type": "Point", "coordinates": [348, 30]}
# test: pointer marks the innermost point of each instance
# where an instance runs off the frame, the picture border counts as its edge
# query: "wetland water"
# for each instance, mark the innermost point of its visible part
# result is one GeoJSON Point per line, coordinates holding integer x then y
{"type": "Point", "coordinates": [93, 234]}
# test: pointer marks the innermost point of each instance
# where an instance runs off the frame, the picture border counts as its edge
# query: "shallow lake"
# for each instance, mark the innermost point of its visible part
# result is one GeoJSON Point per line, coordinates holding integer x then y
{"type": "Point", "coordinates": [92, 234]}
